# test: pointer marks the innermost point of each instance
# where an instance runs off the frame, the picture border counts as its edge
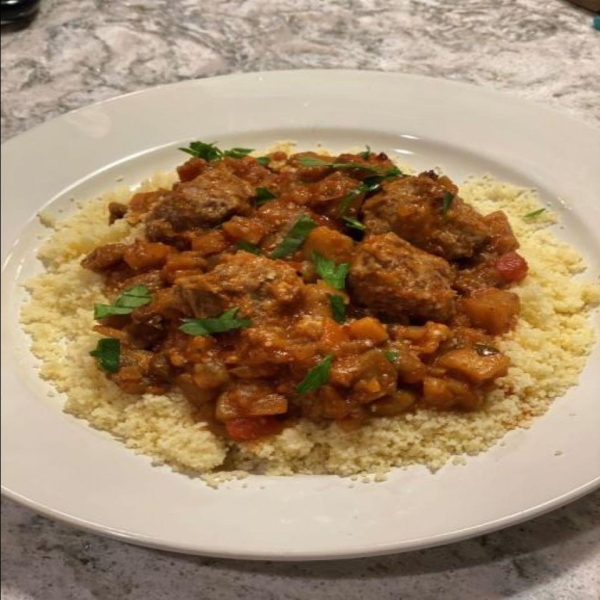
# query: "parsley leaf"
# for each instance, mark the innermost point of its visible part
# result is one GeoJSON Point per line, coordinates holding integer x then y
{"type": "Point", "coordinates": [391, 355]}
{"type": "Point", "coordinates": [138, 295]}
{"type": "Point", "coordinates": [262, 195]}
{"type": "Point", "coordinates": [312, 161]}
{"type": "Point", "coordinates": [238, 152]}
{"type": "Point", "coordinates": [263, 160]}
{"type": "Point", "coordinates": [210, 152]}
{"type": "Point", "coordinates": [370, 184]}
{"type": "Point", "coordinates": [108, 353]}
{"type": "Point", "coordinates": [346, 201]}
{"type": "Point", "coordinates": [203, 150]}
{"type": "Point", "coordinates": [366, 153]}
{"type": "Point", "coordinates": [447, 202]}
{"type": "Point", "coordinates": [295, 237]}
{"type": "Point", "coordinates": [316, 377]}
{"type": "Point", "coordinates": [248, 247]}
{"type": "Point", "coordinates": [338, 308]}
{"type": "Point", "coordinates": [534, 213]}
{"type": "Point", "coordinates": [354, 223]}
{"type": "Point", "coordinates": [334, 275]}
{"type": "Point", "coordinates": [226, 322]}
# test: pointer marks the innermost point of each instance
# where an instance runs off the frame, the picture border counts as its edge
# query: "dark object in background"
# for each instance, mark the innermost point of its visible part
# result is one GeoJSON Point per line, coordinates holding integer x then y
{"type": "Point", "coordinates": [18, 12]}
{"type": "Point", "coordinates": [589, 4]}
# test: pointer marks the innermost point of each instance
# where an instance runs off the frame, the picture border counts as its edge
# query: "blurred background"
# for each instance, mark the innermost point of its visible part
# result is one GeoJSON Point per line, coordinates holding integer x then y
{"type": "Point", "coordinates": [59, 55]}
{"type": "Point", "coordinates": [75, 52]}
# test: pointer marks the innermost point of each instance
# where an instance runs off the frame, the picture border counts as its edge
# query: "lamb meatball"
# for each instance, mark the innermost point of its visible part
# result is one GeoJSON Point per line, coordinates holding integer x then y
{"type": "Point", "coordinates": [396, 279]}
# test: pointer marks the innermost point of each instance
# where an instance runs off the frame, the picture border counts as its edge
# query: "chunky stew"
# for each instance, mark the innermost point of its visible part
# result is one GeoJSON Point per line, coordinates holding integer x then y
{"type": "Point", "coordinates": [306, 286]}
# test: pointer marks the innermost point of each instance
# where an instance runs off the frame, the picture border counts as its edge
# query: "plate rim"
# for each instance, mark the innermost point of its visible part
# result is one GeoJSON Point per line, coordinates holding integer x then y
{"type": "Point", "coordinates": [441, 539]}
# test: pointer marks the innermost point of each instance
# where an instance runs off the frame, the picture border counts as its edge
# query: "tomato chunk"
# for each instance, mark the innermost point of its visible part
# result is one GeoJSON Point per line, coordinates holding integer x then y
{"type": "Point", "coordinates": [512, 267]}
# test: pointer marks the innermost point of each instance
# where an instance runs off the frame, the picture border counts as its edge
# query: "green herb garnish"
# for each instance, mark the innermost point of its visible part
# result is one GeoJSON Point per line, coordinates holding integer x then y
{"type": "Point", "coordinates": [108, 353]}
{"type": "Point", "coordinates": [334, 275]}
{"type": "Point", "coordinates": [311, 161]}
{"type": "Point", "coordinates": [238, 152]}
{"type": "Point", "coordinates": [316, 377]}
{"type": "Point", "coordinates": [263, 160]}
{"type": "Point", "coordinates": [130, 299]}
{"type": "Point", "coordinates": [228, 321]}
{"type": "Point", "coordinates": [203, 150]}
{"type": "Point", "coordinates": [392, 355]}
{"type": "Point", "coordinates": [248, 247]}
{"type": "Point", "coordinates": [338, 307]}
{"type": "Point", "coordinates": [447, 202]}
{"type": "Point", "coordinates": [534, 213]}
{"type": "Point", "coordinates": [370, 184]}
{"type": "Point", "coordinates": [354, 223]}
{"type": "Point", "coordinates": [366, 153]}
{"type": "Point", "coordinates": [262, 195]}
{"type": "Point", "coordinates": [295, 237]}
{"type": "Point", "coordinates": [210, 152]}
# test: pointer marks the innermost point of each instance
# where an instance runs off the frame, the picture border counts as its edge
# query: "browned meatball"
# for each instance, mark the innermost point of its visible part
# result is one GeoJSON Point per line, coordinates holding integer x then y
{"type": "Point", "coordinates": [414, 208]}
{"type": "Point", "coordinates": [208, 200]}
{"type": "Point", "coordinates": [392, 277]}
{"type": "Point", "coordinates": [255, 284]}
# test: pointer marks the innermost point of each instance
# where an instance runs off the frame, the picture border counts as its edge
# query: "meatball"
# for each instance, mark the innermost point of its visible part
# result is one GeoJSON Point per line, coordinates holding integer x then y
{"type": "Point", "coordinates": [257, 285]}
{"type": "Point", "coordinates": [392, 277]}
{"type": "Point", "coordinates": [206, 201]}
{"type": "Point", "coordinates": [425, 211]}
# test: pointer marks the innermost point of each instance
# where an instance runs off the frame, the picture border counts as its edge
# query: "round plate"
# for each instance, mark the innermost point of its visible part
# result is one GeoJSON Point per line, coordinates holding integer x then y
{"type": "Point", "coordinates": [65, 469]}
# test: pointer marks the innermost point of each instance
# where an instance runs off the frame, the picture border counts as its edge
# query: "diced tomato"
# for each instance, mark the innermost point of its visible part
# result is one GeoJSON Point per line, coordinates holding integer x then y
{"type": "Point", "coordinates": [512, 267]}
{"type": "Point", "coordinates": [244, 430]}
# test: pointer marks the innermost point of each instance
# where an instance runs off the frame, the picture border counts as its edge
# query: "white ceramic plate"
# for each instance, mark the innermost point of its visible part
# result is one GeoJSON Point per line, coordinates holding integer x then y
{"type": "Point", "coordinates": [64, 469]}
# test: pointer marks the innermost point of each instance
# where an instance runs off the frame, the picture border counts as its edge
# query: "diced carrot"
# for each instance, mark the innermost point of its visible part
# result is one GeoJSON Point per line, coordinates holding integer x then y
{"type": "Point", "coordinates": [368, 328]}
{"type": "Point", "coordinates": [329, 243]}
{"type": "Point", "coordinates": [147, 255]}
{"type": "Point", "coordinates": [474, 366]}
{"type": "Point", "coordinates": [209, 243]}
{"type": "Point", "coordinates": [244, 228]}
{"type": "Point", "coordinates": [333, 334]}
{"type": "Point", "coordinates": [491, 309]}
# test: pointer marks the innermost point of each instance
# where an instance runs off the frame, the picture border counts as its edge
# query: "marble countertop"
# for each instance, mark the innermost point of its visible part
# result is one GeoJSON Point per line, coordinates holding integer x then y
{"type": "Point", "coordinates": [80, 51]}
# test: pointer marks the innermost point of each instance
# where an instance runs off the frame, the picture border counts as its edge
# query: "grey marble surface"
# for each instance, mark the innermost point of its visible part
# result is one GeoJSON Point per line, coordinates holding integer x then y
{"type": "Point", "coordinates": [80, 51]}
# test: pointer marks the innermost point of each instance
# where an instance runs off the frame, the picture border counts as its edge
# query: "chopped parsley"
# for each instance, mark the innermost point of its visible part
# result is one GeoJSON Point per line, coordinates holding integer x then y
{"type": "Point", "coordinates": [392, 355]}
{"type": "Point", "coordinates": [535, 213]}
{"type": "Point", "coordinates": [210, 151]}
{"type": "Point", "coordinates": [354, 223]}
{"type": "Point", "coordinates": [316, 377]}
{"type": "Point", "coordinates": [248, 247]}
{"type": "Point", "coordinates": [370, 184]}
{"type": "Point", "coordinates": [228, 321]}
{"type": "Point", "coordinates": [203, 150]}
{"type": "Point", "coordinates": [312, 161]}
{"type": "Point", "coordinates": [130, 299]}
{"type": "Point", "coordinates": [108, 353]}
{"type": "Point", "coordinates": [366, 153]}
{"type": "Point", "coordinates": [262, 195]}
{"type": "Point", "coordinates": [238, 152]}
{"type": "Point", "coordinates": [294, 238]}
{"type": "Point", "coordinates": [263, 160]}
{"type": "Point", "coordinates": [334, 275]}
{"type": "Point", "coordinates": [447, 202]}
{"type": "Point", "coordinates": [338, 307]}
